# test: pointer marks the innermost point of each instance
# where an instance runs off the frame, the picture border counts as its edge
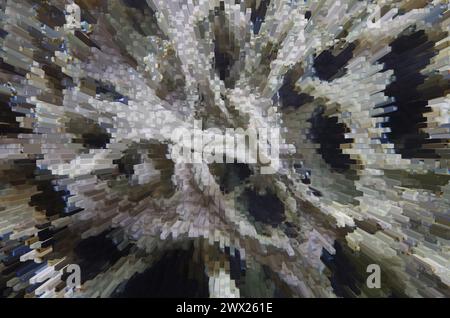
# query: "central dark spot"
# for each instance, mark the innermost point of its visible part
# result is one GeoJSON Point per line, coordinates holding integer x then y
{"type": "Point", "coordinates": [258, 14]}
{"type": "Point", "coordinates": [411, 90]}
{"type": "Point", "coordinates": [266, 208]}
{"type": "Point", "coordinates": [175, 274]}
{"type": "Point", "coordinates": [330, 65]}
{"type": "Point", "coordinates": [226, 48]}
{"type": "Point", "coordinates": [230, 175]}
{"type": "Point", "coordinates": [88, 133]}
{"type": "Point", "coordinates": [330, 135]}
{"type": "Point", "coordinates": [288, 94]}
{"type": "Point", "coordinates": [96, 254]}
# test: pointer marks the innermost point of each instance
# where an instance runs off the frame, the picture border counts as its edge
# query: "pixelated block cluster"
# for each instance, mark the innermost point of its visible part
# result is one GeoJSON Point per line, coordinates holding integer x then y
{"type": "Point", "coordinates": [92, 90]}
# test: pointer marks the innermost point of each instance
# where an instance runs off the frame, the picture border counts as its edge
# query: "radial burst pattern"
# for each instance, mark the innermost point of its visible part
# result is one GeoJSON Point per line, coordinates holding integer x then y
{"type": "Point", "coordinates": [93, 93]}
